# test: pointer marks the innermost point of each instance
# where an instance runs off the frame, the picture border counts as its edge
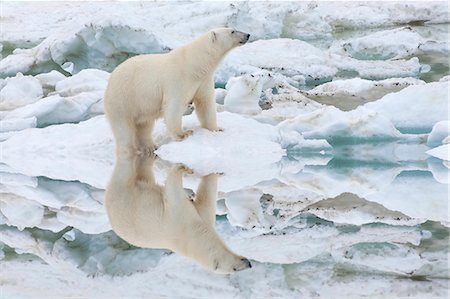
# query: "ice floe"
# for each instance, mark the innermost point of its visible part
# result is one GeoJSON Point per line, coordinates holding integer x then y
{"type": "Point", "coordinates": [313, 66]}
{"type": "Point", "coordinates": [351, 93]}
{"type": "Point", "coordinates": [421, 106]}
{"type": "Point", "coordinates": [440, 131]}
{"type": "Point", "coordinates": [19, 91]}
{"type": "Point", "coordinates": [72, 100]}
{"type": "Point", "coordinates": [382, 45]}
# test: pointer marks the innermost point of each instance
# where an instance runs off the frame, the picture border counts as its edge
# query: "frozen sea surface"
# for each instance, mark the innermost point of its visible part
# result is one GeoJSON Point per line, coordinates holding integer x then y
{"type": "Point", "coordinates": [331, 175]}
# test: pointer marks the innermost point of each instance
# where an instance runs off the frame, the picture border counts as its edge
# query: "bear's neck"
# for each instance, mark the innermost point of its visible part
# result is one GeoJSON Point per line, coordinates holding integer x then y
{"type": "Point", "coordinates": [200, 64]}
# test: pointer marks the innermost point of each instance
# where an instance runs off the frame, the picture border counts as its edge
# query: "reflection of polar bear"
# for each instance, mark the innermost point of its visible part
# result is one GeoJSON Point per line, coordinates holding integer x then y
{"type": "Point", "coordinates": [146, 87]}
{"type": "Point", "coordinates": [151, 216]}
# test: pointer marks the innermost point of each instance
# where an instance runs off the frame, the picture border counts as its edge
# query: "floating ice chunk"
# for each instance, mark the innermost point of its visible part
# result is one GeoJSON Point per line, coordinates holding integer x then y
{"type": "Point", "coordinates": [445, 78]}
{"type": "Point", "coordinates": [244, 92]}
{"type": "Point", "coordinates": [441, 152]}
{"type": "Point", "coordinates": [242, 151]}
{"type": "Point", "coordinates": [440, 170]}
{"type": "Point", "coordinates": [421, 106]}
{"type": "Point", "coordinates": [244, 209]}
{"type": "Point", "coordinates": [315, 240]}
{"type": "Point", "coordinates": [71, 102]}
{"type": "Point", "coordinates": [83, 152]}
{"type": "Point", "coordinates": [219, 95]}
{"type": "Point", "coordinates": [51, 223]}
{"type": "Point", "coordinates": [313, 66]}
{"type": "Point", "coordinates": [335, 125]}
{"type": "Point", "coordinates": [69, 236]}
{"type": "Point", "coordinates": [395, 259]}
{"type": "Point", "coordinates": [348, 208]}
{"type": "Point", "coordinates": [440, 131]}
{"type": "Point", "coordinates": [350, 93]}
{"type": "Point", "coordinates": [377, 70]}
{"type": "Point", "coordinates": [56, 109]}
{"type": "Point", "coordinates": [20, 212]}
{"type": "Point", "coordinates": [19, 91]}
{"type": "Point", "coordinates": [286, 109]}
{"type": "Point", "coordinates": [17, 62]}
{"type": "Point", "coordinates": [105, 44]}
{"type": "Point", "coordinates": [415, 195]}
{"type": "Point", "coordinates": [382, 45]}
{"type": "Point", "coordinates": [86, 221]}
{"type": "Point", "coordinates": [85, 81]}
{"type": "Point", "coordinates": [49, 80]}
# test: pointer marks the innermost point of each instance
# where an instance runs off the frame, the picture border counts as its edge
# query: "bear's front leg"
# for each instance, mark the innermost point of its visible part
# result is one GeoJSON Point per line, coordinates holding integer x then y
{"type": "Point", "coordinates": [173, 114]}
{"type": "Point", "coordinates": [206, 197]}
{"type": "Point", "coordinates": [205, 106]}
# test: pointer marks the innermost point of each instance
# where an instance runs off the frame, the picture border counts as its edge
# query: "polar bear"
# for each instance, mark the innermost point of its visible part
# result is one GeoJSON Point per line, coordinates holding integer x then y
{"type": "Point", "coordinates": [148, 215]}
{"type": "Point", "coordinates": [147, 87]}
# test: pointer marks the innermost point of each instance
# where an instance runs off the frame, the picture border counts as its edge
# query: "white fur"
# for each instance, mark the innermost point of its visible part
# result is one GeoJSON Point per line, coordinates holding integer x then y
{"type": "Point", "coordinates": [147, 87]}
{"type": "Point", "coordinates": [148, 215]}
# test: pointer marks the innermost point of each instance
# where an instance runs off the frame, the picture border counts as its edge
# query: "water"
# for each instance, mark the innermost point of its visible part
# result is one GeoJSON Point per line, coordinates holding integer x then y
{"type": "Point", "coordinates": [349, 227]}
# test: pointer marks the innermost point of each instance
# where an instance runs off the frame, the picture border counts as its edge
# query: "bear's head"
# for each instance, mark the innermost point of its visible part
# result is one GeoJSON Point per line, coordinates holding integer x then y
{"type": "Point", "coordinates": [228, 38]}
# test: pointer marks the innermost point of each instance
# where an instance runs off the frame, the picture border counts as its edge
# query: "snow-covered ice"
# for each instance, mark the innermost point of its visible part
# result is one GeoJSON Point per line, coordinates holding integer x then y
{"type": "Point", "coordinates": [382, 45]}
{"type": "Point", "coordinates": [19, 91]}
{"type": "Point", "coordinates": [421, 106]}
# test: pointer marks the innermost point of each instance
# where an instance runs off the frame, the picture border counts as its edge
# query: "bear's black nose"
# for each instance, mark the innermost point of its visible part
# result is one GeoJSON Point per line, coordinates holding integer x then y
{"type": "Point", "coordinates": [247, 263]}
{"type": "Point", "coordinates": [247, 36]}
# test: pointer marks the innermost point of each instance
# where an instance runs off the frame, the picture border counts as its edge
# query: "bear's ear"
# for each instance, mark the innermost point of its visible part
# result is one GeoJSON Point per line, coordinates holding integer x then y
{"type": "Point", "coordinates": [213, 37]}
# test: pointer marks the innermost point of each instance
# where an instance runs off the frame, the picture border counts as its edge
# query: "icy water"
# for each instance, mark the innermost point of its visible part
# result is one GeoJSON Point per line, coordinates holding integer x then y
{"type": "Point", "coordinates": [333, 230]}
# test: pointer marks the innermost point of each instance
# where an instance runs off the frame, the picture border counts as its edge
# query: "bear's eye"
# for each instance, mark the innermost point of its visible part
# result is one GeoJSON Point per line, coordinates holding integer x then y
{"type": "Point", "coordinates": [232, 32]}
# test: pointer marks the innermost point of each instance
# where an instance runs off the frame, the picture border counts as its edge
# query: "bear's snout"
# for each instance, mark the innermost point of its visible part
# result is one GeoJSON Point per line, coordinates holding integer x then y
{"type": "Point", "coordinates": [245, 38]}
